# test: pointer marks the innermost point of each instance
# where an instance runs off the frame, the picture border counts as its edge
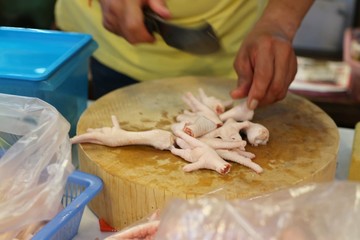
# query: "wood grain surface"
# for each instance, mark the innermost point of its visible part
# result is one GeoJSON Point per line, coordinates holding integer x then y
{"type": "Point", "coordinates": [303, 147]}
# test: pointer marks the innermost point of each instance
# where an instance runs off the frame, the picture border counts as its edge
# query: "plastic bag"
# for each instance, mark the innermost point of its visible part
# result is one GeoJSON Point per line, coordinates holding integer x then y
{"type": "Point", "coordinates": [35, 161]}
{"type": "Point", "coordinates": [314, 211]}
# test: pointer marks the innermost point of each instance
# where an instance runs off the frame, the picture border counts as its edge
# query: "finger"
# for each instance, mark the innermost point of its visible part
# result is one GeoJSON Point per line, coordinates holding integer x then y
{"type": "Point", "coordinates": [242, 89]}
{"type": "Point", "coordinates": [109, 17]}
{"type": "Point", "coordinates": [244, 71]}
{"type": "Point", "coordinates": [285, 65]}
{"type": "Point", "coordinates": [159, 7]}
{"type": "Point", "coordinates": [277, 87]}
{"type": "Point", "coordinates": [263, 76]}
{"type": "Point", "coordinates": [286, 70]}
{"type": "Point", "coordinates": [135, 30]}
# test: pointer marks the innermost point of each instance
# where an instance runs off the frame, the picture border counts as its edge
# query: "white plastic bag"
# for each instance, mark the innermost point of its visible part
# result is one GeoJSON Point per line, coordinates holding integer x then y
{"type": "Point", "coordinates": [315, 211]}
{"type": "Point", "coordinates": [322, 211]}
{"type": "Point", "coordinates": [35, 161]}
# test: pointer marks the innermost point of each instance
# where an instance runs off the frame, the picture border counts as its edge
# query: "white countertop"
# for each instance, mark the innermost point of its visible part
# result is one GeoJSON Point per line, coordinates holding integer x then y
{"type": "Point", "coordinates": [344, 155]}
{"type": "Point", "coordinates": [89, 226]}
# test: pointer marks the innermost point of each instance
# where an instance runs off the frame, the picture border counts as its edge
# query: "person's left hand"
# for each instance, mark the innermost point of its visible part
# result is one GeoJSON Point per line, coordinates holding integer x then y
{"type": "Point", "coordinates": [266, 65]}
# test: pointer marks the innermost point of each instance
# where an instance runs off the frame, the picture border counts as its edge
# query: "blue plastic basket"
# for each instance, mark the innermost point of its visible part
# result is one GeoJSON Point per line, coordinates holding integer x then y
{"type": "Point", "coordinates": [80, 189]}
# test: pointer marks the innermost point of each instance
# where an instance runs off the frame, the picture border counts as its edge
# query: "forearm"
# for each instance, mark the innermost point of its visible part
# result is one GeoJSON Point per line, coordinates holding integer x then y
{"type": "Point", "coordinates": [286, 14]}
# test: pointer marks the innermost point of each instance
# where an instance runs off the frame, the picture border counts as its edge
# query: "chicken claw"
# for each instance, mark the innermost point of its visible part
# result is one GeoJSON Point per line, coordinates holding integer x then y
{"type": "Point", "coordinates": [236, 157]}
{"type": "Point", "coordinates": [230, 131]}
{"type": "Point", "coordinates": [256, 134]}
{"type": "Point", "coordinates": [115, 136]}
{"type": "Point", "coordinates": [200, 108]}
{"type": "Point", "coordinates": [213, 103]}
{"type": "Point", "coordinates": [142, 231]}
{"type": "Point", "coordinates": [199, 154]}
{"type": "Point", "coordinates": [239, 112]}
{"type": "Point", "coordinates": [217, 143]}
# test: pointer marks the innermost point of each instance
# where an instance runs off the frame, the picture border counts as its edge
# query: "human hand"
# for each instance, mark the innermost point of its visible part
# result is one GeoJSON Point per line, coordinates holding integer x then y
{"type": "Point", "coordinates": [125, 18]}
{"type": "Point", "coordinates": [266, 65]}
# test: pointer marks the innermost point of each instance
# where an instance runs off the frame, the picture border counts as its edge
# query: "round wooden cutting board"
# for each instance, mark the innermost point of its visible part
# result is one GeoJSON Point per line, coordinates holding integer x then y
{"type": "Point", "coordinates": [138, 180]}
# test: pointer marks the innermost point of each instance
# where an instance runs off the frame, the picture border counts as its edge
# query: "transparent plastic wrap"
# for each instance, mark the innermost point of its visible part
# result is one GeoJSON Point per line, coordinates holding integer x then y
{"type": "Point", "coordinates": [314, 211]}
{"type": "Point", "coordinates": [35, 161]}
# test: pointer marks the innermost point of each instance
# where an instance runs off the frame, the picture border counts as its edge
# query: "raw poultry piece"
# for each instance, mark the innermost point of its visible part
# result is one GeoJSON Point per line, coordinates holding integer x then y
{"type": "Point", "coordinates": [228, 150]}
{"type": "Point", "coordinates": [235, 156]}
{"type": "Point", "coordinates": [187, 116]}
{"type": "Point", "coordinates": [200, 108]}
{"type": "Point", "coordinates": [213, 142]}
{"type": "Point", "coordinates": [144, 231]}
{"type": "Point", "coordinates": [217, 143]}
{"type": "Point", "coordinates": [230, 131]}
{"type": "Point", "coordinates": [199, 154]}
{"type": "Point", "coordinates": [201, 137]}
{"type": "Point", "coordinates": [115, 136]}
{"type": "Point", "coordinates": [220, 138]}
{"type": "Point", "coordinates": [30, 230]}
{"type": "Point", "coordinates": [256, 134]}
{"type": "Point", "coordinates": [244, 153]}
{"type": "Point", "coordinates": [26, 232]}
{"type": "Point", "coordinates": [199, 127]}
{"type": "Point", "coordinates": [240, 112]}
{"type": "Point", "coordinates": [214, 103]}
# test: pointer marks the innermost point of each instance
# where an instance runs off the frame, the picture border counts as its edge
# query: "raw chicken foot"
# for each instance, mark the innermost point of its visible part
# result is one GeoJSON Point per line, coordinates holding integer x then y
{"type": "Point", "coordinates": [244, 153]}
{"type": "Point", "coordinates": [213, 103]}
{"type": "Point", "coordinates": [256, 134]}
{"type": "Point", "coordinates": [142, 231]}
{"type": "Point", "coordinates": [199, 154]}
{"type": "Point", "coordinates": [187, 116]}
{"type": "Point", "coordinates": [200, 127]}
{"type": "Point", "coordinates": [239, 112]}
{"type": "Point", "coordinates": [230, 131]}
{"type": "Point", "coordinates": [196, 129]}
{"type": "Point", "coordinates": [115, 136]}
{"type": "Point", "coordinates": [201, 109]}
{"type": "Point", "coordinates": [234, 156]}
{"type": "Point", "coordinates": [218, 143]}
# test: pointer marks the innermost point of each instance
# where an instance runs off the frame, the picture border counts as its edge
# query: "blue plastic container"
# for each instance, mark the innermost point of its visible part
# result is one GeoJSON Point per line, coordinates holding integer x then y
{"type": "Point", "coordinates": [47, 64]}
{"type": "Point", "coordinates": [80, 189]}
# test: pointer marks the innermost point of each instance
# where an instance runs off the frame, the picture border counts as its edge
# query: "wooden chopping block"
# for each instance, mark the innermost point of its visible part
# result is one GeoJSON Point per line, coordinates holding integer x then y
{"type": "Point", "coordinates": [138, 180]}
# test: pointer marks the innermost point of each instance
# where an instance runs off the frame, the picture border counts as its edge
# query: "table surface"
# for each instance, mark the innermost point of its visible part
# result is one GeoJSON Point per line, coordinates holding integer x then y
{"type": "Point", "coordinates": [342, 107]}
{"type": "Point", "coordinates": [89, 226]}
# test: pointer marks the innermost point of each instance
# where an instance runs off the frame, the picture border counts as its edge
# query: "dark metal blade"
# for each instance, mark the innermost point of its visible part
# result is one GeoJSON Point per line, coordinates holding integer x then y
{"type": "Point", "coordinates": [200, 40]}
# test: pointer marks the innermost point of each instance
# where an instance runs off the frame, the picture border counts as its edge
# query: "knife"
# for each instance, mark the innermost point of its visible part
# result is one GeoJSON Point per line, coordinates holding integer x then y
{"type": "Point", "coordinates": [200, 40]}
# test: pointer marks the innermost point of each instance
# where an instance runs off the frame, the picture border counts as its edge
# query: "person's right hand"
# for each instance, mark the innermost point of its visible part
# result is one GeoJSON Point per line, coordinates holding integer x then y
{"type": "Point", "coordinates": [126, 19]}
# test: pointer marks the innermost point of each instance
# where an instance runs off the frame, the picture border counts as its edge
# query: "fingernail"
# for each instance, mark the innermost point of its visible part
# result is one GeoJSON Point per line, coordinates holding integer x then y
{"type": "Point", "coordinates": [253, 104]}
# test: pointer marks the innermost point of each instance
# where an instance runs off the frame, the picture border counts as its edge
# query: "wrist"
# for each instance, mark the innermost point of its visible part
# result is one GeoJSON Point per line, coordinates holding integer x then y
{"type": "Point", "coordinates": [285, 15]}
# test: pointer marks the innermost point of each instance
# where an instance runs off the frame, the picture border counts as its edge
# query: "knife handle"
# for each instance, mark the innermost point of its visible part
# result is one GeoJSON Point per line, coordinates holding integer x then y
{"type": "Point", "coordinates": [150, 20]}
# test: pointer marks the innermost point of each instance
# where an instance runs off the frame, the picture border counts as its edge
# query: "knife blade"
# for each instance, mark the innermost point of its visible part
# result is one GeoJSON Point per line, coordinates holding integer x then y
{"type": "Point", "coordinates": [199, 40]}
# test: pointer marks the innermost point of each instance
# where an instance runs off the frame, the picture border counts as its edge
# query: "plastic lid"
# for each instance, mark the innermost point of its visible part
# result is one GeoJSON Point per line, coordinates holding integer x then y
{"type": "Point", "coordinates": [33, 54]}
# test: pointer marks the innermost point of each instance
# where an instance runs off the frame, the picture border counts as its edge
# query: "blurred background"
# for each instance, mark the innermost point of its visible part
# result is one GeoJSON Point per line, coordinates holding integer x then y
{"type": "Point", "coordinates": [29, 14]}
{"type": "Point", "coordinates": [321, 36]}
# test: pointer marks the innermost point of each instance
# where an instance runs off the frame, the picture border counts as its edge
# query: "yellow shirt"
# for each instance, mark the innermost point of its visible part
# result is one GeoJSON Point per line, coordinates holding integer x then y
{"type": "Point", "coordinates": [231, 20]}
